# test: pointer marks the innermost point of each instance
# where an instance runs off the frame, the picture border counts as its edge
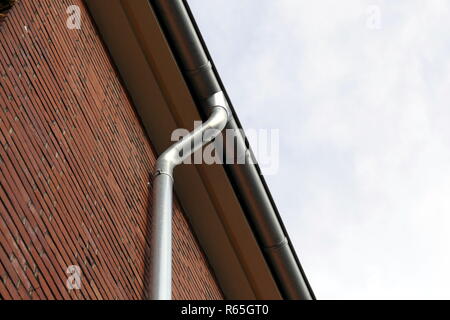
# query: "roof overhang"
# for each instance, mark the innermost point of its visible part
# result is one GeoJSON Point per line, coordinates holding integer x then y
{"type": "Point", "coordinates": [139, 49]}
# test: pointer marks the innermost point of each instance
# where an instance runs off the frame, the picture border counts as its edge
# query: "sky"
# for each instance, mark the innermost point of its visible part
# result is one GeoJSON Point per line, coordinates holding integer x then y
{"type": "Point", "coordinates": [360, 93]}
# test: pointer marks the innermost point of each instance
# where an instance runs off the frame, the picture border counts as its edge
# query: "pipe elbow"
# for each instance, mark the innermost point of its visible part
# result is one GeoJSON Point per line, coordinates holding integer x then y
{"type": "Point", "coordinates": [218, 119]}
{"type": "Point", "coordinates": [218, 100]}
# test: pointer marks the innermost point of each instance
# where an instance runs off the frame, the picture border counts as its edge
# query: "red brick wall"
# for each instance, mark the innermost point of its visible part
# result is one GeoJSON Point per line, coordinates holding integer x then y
{"type": "Point", "coordinates": [74, 167]}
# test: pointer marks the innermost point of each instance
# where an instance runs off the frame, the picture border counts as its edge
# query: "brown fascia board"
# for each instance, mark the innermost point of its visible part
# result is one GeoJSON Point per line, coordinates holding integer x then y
{"type": "Point", "coordinates": [151, 75]}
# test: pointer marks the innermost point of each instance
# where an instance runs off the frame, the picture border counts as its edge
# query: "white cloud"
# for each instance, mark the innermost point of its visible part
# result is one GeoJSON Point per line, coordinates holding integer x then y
{"type": "Point", "coordinates": [364, 178]}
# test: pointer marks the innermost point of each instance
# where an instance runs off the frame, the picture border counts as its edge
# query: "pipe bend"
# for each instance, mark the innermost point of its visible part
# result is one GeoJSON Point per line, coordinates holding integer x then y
{"type": "Point", "coordinates": [197, 138]}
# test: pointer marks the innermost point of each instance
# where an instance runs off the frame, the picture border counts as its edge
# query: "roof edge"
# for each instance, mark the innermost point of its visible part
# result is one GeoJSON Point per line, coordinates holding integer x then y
{"type": "Point", "coordinates": [203, 80]}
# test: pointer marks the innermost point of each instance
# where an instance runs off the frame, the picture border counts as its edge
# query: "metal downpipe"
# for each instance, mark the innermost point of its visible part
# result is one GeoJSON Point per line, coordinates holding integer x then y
{"type": "Point", "coordinates": [161, 236]}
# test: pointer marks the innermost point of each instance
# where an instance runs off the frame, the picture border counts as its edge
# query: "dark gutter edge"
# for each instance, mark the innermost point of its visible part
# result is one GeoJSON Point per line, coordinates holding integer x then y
{"type": "Point", "coordinates": [202, 77]}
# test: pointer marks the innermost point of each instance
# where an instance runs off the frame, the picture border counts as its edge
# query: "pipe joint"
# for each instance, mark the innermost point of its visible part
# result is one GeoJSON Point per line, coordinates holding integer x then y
{"type": "Point", "coordinates": [167, 162]}
{"type": "Point", "coordinates": [218, 99]}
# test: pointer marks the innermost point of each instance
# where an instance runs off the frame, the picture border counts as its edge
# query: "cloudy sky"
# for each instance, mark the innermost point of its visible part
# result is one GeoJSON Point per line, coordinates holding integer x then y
{"type": "Point", "coordinates": [360, 91]}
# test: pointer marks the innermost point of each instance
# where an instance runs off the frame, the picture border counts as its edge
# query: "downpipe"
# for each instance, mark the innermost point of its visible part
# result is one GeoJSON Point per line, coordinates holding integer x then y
{"type": "Point", "coordinates": [161, 236]}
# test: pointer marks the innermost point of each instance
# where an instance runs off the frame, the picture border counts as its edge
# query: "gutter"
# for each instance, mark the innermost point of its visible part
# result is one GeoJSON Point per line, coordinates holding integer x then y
{"type": "Point", "coordinates": [250, 186]}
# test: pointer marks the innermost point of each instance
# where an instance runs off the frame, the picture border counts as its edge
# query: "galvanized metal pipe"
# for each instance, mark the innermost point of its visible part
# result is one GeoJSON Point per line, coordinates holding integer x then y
{"type": "Point", "coordinates": [161, 239]}
{"type": "Point", "coordinates": [161, 245]}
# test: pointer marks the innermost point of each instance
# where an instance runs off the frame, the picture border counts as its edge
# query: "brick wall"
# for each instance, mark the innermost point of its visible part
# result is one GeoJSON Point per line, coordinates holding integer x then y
{"type": "Point", "coordinates": [74, 167]}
